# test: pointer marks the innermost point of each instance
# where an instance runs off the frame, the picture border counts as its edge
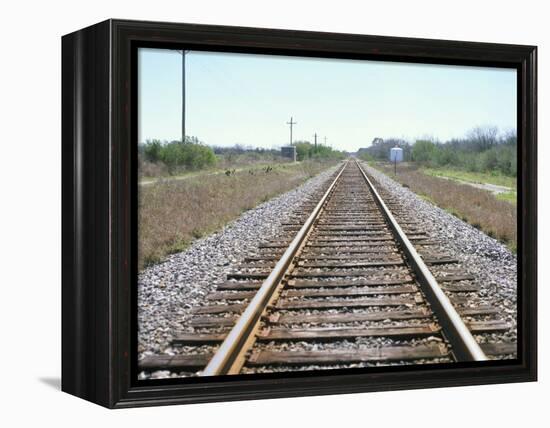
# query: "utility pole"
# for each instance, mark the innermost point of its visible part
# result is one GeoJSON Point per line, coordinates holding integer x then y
{"type": "Point", "coordinates": [183, 96]}
{"type": "Point", "coordinates": [315, 136]}
{"type": "Point", "coordinates": [325, 141]}
{"type": "Point", "coordinates": [182, 53]}
{"type": "Point", "coordinates": [291, 123]}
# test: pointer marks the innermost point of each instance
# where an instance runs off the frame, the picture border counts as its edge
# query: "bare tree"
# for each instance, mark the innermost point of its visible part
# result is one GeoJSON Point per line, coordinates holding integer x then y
{"type": "Point", "coordinates": [483, 137]}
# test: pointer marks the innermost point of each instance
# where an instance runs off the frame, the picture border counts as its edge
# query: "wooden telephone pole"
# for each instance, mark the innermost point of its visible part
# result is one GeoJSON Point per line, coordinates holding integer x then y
{"type": "Point", "coordinates": [183, 96]}
{"type": "Point", "coordinates": [291, 123]}
{"type": "Point", "coordinates": [182, 53]}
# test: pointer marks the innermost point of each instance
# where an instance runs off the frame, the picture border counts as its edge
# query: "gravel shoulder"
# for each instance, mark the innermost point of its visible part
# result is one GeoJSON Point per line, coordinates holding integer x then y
{"type": "Point", "coordinates": [493, 264]}
{"type": "Point", "coordinates": [169, 290]}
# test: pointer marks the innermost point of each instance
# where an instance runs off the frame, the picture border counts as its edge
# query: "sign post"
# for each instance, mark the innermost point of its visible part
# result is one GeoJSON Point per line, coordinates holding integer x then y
{"type": "Point", "coordinates": [396, 155]}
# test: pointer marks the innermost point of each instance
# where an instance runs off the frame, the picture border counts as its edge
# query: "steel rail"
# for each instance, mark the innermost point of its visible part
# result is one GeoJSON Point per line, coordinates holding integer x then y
{"type": "Point", "coordinates": [464, 346]}
{"type": "Point", "coordinates": [229, 351]}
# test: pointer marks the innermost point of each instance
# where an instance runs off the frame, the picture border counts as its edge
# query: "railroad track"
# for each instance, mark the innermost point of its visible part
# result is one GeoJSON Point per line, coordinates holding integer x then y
{"type": "Point", "coordinates": [353, 279]}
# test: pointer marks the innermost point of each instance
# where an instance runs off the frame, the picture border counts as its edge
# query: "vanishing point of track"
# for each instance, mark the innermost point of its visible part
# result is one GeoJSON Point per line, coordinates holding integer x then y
{"type": "Point", "coordinates": [349, 281]}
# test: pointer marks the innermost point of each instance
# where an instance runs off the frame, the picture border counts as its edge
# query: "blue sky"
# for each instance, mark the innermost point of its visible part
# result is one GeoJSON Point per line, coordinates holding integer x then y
{"type": "Point", "coordinates": [247, 99]}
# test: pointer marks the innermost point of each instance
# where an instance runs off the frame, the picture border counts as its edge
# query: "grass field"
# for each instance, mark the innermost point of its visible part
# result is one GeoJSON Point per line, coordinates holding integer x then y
{"type": "Point", "coordinates": [173, 213]}
{"type": "Point", "coordinates": [495, 216]}
{"type": "Point", "coordinates": [510, 197]}
{"type": "Point", "coordinates": [256, 167]}
{"type": "Point", "coordinates": [473, 177]}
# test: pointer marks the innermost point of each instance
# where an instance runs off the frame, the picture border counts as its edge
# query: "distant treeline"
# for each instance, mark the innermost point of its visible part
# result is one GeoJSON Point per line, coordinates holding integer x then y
{"type": "Point", "coordinates": [380, 149]}
{"type": "Point", "coordinates": [239, 149]}
{"type": "Point", "coordinates": [239, 155]}
{"type": "Point", "coordinates": [305, 150]}
{"type": "Point", "coordinates": [481, 150]}
{"type": "Point", "coordinates": [158, 158]}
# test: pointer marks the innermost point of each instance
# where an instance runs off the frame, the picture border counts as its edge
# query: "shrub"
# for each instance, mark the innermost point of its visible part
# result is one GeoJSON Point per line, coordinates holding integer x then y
{"type": "Point", "coordinates": [189, 154]}
{"type": "Point", "coordinates": [423, 151]}
{"type": "Point", "coordinates": [152, 150]}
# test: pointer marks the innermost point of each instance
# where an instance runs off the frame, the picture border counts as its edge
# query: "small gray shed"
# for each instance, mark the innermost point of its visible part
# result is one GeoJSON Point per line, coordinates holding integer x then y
{"type": "Point", "coordinates": [289, 152]}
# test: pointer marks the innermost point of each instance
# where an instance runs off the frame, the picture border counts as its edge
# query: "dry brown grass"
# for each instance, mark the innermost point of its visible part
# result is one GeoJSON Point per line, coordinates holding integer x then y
{"type": "Point", "coordinates": [150, 169]}
{"type": "Point", "coordinates": [478, 207]}
{"type": "Point", "coordinates": [173, 213]}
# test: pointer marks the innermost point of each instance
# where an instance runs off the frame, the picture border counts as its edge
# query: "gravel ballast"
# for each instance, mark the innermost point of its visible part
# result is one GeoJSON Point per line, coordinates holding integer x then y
{"type": "Point", "coordinates": [491, 262]}
{"type": "Point", "coordinates": [169, 290]}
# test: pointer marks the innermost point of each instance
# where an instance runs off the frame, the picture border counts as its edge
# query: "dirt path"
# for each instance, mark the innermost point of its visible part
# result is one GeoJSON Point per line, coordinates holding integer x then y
{"type": "Point", "coordinates": [493, 188]}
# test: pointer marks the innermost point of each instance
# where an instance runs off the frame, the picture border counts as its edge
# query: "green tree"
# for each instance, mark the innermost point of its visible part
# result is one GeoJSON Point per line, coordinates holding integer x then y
{"type": "Point", "coordinates": [152, 149]}
{"type": "Point", "coordinates": [423, 151]}
{"type": "Point", "coordinates": [191, 154]}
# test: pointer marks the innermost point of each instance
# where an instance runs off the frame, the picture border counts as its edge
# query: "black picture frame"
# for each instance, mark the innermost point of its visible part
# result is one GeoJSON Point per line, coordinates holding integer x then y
{"type": "Point", "coordinates": [99, 185]}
